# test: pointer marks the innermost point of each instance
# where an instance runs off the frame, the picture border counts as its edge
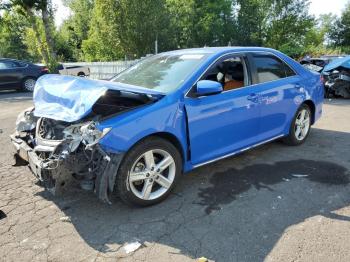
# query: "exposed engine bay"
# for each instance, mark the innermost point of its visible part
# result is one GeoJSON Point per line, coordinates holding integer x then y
{"type": "Point", "coordinates": [61, 153]}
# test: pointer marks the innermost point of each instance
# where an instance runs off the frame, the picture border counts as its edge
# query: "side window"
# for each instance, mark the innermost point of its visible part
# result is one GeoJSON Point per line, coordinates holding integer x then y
{"type": "Point", "coordinates": [230, 71]}
{"type": "Point", "coordinates": [7, 65]}
{"type": "Point", "coordinates": [270, 68]}
{"type": "Point", "coordinates": [289, 71]}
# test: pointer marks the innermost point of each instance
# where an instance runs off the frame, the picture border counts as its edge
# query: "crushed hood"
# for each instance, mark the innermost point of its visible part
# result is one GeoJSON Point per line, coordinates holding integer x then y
{"type": "Point", "coordinates": [340, 62]}
{"type": "Point", "coordinates": [68, 98]}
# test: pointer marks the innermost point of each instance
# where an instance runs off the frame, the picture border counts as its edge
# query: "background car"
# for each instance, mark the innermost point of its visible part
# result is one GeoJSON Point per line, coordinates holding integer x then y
{"type": "Point", "coordinates": [20, 75]}
{"type": "Point", "coordinates": [76, 70]}
{"type": "Point", "coordinates": [318, 63]}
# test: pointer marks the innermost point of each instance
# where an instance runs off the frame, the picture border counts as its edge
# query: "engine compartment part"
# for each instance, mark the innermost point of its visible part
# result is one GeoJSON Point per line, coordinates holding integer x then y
{"type": "Point", "coordinates": [26, 121]}
{"type": "Point", "coordinates": [114, 102]}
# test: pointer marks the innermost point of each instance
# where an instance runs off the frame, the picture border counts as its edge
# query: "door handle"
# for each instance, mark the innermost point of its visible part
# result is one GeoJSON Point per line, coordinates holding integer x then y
{"type": "Point", "coordinates": [299, 87]}
{"type": "Point", "coordinates": [253, 98]}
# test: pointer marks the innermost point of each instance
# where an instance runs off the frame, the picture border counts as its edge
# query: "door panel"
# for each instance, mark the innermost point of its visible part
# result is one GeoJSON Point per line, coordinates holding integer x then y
{"type": "Point", "coordinates": [277, 106]}
{"type": "Point", "coordinates": [277, 85]}
{"type": "Point", "coordinates": [9, 74]}
{"type": "Point", "coordinates": [223, 123]}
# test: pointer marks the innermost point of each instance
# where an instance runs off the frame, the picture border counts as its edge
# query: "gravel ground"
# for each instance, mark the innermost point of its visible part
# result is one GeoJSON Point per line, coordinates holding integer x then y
{"type": "Point", "coordinates": [273, 203]}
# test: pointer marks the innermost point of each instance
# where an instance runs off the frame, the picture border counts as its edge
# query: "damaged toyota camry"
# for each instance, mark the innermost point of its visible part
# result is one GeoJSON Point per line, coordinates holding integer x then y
{"type": "Point", "coordinates": [168, 114]}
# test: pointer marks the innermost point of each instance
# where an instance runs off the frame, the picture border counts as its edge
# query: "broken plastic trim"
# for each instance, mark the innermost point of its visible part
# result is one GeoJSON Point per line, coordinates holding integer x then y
{"type": "Point", "coordinates": [26, 120]}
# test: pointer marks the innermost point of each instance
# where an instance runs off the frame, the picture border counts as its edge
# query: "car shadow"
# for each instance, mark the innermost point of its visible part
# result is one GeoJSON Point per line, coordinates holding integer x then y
{"type": "Point", "coordinates": [232, 210]}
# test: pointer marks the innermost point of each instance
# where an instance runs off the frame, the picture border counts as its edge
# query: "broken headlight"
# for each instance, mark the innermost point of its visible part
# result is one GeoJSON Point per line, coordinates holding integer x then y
{"type": "Point", "coordinates": [87, 133]}
{"type": "Point", "coordinates": [91, 134]}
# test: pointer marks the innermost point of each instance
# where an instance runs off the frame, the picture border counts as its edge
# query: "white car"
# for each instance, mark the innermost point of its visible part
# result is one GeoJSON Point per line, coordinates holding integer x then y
{"type": "Point", "coordinates": [82, 71]}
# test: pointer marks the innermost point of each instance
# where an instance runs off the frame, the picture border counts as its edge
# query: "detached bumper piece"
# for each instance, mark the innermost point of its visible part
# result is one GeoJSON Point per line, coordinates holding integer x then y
{"type": "Point", "coordinates": [57, 168]}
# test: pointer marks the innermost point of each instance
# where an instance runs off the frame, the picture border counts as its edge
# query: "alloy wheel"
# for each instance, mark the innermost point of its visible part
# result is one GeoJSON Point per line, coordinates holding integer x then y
{"type": "Point", "coordinates": [302, 124]}
{"type": "Point", "coordinates": [152, 174]}
{"type": "Point", "coordinates": [29, 84]}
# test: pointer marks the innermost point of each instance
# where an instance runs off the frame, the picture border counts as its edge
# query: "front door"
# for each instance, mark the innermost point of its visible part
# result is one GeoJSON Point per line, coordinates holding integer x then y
{"type": "Point", "coordinates": [223, 123]}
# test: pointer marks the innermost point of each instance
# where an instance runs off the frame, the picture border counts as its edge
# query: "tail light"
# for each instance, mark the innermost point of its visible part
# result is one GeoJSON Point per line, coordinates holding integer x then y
{"type": "Point", "coordinates": [44, 69]}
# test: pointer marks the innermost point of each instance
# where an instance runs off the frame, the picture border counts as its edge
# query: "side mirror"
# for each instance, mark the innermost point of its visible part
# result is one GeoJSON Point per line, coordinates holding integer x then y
{"type": "Point", "coordinates": [208, 87]}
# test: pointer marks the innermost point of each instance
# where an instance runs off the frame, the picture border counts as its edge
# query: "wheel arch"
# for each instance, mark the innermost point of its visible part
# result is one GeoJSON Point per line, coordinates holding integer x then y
{"type": "Point", "coordinates": [312, 107]}
{"type": "Point", "coordinates": [170, 138]}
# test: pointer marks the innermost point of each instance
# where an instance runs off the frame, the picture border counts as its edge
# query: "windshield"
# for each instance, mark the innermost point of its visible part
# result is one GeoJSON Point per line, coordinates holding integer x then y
{"type": "Point", "coordinates": [163, 72]}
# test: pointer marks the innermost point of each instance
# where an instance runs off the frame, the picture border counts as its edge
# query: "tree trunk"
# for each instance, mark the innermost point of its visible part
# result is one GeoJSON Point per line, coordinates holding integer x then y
{"type": "Point", "coordinates": [43, 50]}
{"type": "Point", "coordinates": [48, 34]}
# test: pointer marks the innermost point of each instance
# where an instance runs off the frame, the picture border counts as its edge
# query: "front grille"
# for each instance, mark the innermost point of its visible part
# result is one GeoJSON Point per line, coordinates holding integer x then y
{"type": "Point", "coordinates": [51, 129]}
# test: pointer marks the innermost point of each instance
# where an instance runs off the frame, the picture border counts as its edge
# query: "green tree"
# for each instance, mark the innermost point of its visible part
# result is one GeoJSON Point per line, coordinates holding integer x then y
{"type": "Point", "coordinates": [103, 42]}
{"type": "Point", "coordinates": [250, 20]}
{"type": "Point", "coordinates": [12, 37]}
{"type": "Point", "coordinates": [140, 24]}
{"type": "Point", "coordinates": [75, 29]}
{"type": "Point", "coordinates": [340, 31]}
{"type": "Point", "coordinates": [288, 24]}
{"type": "Point", "coordinates": [31, 10]}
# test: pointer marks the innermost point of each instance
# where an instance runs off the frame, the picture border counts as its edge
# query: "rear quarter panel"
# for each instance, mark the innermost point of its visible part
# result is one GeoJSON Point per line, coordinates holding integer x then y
{"type": "Point", "coordinates": [311, 83]}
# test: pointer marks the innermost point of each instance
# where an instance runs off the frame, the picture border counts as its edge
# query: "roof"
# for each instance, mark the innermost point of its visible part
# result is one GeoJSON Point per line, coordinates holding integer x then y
{"type": "Point", "coordinates": [216, 50]}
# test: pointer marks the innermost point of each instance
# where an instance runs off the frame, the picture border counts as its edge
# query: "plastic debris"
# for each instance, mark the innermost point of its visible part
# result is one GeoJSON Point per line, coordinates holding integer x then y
{"type": "Point", "coordinates": [202, 259]}
{"type": "Point", "coordinates": [279, 197]}
{"type": "Point", "coordinates": [131, 247]}
{"type": "Point", "coordinates": [285, 179]}
{"type": "Point", "coordinates": [299, 175]}
{"type": "Point", "coordinates": [65, 219]}
{"type": "Point", "coordinates": [2, 214]}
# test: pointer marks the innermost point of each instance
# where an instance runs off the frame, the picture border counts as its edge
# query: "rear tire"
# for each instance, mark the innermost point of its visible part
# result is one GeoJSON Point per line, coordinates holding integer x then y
{"type": "Point", "coordinates": [28, 84]}
{"type": "Point", "coordinates": [300, 126]}
{"type": "Point", "coordinates": [149, 172]}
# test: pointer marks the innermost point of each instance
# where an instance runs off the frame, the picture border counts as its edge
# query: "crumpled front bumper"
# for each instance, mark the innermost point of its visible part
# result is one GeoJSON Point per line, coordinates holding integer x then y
{"type": "Point", "coordinates": [58, 178]}
{"type": "Point", "coordinates": [25, 152]}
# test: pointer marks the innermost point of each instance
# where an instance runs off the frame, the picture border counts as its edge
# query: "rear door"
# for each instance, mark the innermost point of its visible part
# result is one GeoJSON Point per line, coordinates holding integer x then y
{"type": "Point", "coordinates": [278, 86]}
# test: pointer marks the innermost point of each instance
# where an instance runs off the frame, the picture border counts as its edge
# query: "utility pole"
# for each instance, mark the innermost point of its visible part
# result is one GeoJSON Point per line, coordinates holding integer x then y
{"type": "Point", "coordinates": [156, 45]}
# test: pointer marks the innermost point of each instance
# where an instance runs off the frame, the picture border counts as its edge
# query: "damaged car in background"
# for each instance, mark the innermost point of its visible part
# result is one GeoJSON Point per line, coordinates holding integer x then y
{"type": "Point", "coordinates": [170, 113]}
{"type": "Point", "coordinates": [337, 78]}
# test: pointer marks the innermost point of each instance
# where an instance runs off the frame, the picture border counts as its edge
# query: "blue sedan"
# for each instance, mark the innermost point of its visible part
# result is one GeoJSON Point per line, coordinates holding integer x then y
{"type": "Point", "coordinates": [168, 114]}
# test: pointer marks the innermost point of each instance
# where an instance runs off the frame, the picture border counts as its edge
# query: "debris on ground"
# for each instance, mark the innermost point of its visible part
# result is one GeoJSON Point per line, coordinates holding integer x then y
{"type": "Point", "coordinates": [299, 175]}
{"type": "Point", "coordinates": [65, 219]}
{"type": "Point", "coordinates": [131, 247]}
{"type": "Point", "coordinates": [2, 214]}
{"type": "Point", "coordinates": [202, 259]}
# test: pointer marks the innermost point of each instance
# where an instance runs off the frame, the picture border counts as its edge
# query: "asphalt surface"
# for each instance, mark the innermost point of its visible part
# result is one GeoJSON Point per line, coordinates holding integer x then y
{"type": "Point", "coordinates": [273, 203]}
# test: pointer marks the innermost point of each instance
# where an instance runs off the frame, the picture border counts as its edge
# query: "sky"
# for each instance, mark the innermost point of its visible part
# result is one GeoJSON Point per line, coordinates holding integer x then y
{"type": "Point", "coordinates": [317, 7]}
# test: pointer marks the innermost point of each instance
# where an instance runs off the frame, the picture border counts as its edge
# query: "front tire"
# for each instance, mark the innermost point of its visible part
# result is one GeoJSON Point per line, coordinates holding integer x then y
{"type": "Point", "coordinates": [300, 127]}
{"type": "Point", "coordinates": [149, 172]}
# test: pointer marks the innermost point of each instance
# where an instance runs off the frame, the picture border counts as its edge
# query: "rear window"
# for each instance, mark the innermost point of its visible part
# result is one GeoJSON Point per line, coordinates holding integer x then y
{"type": "Point", "coordinates": [270, 68]}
